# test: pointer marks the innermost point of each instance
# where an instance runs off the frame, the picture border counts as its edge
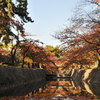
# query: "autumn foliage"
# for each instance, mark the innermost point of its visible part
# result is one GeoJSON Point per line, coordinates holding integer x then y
{"type": "Point", "coordinates": [22, 52]}
{"type": "Point", "coordinates": [37, 54]}
{"type": "Point", "coordinates": [81, 40]}
{"type": "Point", "coordinates": [3, 55]}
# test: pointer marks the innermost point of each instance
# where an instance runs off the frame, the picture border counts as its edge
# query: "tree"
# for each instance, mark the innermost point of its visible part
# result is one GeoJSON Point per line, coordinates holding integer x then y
{"type": "Point", "coordinates": [11, 29]}
{"type": "Point", "coordinates": [79, 57]}
{"type": "Point", "coordinates": [84, 33]}
{"type": "Point", "coordinates": [26, 49]}
{"type": "Point", "coordinates": [37, 54]}
{"type": "Point", "coordinates": [55, 50]}
{"type": "Point", "coordinates": [45, 58]}
{"type": "Point", "coordinates": [10, 11]}
{"type": "Point", "coordinates": [3, 55]}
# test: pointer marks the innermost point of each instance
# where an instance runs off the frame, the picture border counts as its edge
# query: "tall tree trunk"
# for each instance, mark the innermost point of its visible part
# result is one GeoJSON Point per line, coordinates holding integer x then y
{"type": "Point", "coordinates": [98, 63]}
{"type": "Point", "coordinates": [23, 62]}
{"type": "Point", "coordinates": [98, 57]}
{"type": "Point", "coordinates": [13, 53]}
{"type": "Point", "coordinates": [24, 55]}
{"type": "Point", "coordinates": [81, 66]}
{"type": "Point", "coordinates": [12, 60]}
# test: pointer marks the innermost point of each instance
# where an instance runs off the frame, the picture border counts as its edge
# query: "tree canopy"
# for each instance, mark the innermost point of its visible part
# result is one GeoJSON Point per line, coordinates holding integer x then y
{"type": "Point", "coordinates": [13, 15]}
{"type": "Point", "coordinates": [81, 39]}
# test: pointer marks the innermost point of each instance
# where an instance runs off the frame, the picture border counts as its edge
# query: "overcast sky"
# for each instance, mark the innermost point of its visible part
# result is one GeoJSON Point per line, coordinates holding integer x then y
{"type": "Point", "coordinates": [49, 17]}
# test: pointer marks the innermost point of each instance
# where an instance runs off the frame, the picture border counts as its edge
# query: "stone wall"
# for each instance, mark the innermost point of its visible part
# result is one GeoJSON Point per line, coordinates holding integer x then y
{"type": "Point", "coordinates": [88, 80]}
{"type": "Point", "coordinates": [17, 76]}
{"type": "Point", "coordinates": [89, 75]}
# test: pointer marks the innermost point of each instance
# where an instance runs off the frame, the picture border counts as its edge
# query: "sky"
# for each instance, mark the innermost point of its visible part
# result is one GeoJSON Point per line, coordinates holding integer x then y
{"type": "Point", "coordinates": [50, 16]}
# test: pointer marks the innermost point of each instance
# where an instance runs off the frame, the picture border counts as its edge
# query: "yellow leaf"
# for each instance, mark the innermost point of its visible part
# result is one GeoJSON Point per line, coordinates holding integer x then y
{"type": "Point", "coordinates": [9, 5]}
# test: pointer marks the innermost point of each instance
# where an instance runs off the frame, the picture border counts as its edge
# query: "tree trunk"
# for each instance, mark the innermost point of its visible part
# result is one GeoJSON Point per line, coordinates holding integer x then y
{"type": "Point", "coordinates": [23, 62]}
{"type": "Point", "coordinates": [12, 60]}
{"type": "Point", "coordinates": [13, 53]}
{"type": "Point", "coordinates": [98, 57]}
{"type": "Point", "coordinates": [98, 63]}
{"type": "Point", "coordinates": [81, 66]}
{"type": "Point", "coordinates": [28, 65]}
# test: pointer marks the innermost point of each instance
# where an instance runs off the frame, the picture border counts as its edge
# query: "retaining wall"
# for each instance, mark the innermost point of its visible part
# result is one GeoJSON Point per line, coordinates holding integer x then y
{"type": "Point", "coordinates": [89, 75]}
{"type": "Point", "coordinates": [17, 76]}
{"type": "Point", "coordinates": [88, 80]}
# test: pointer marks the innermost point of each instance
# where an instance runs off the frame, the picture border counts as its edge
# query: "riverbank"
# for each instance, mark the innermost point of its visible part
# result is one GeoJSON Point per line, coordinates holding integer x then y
{"type": "Point", "coordinates": [88, 75]}
{"type": "Point", "coordinates": [10, 76]}
{"type": "Point", "coordinates": [88, 80]}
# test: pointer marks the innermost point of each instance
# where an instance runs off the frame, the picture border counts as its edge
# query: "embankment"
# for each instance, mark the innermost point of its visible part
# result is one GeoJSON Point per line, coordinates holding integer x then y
{"type": "Point", "coordinates": [88, 80]}
{"type": "Point", "coordinates": [17, 76]}
{"type": "Point", "coordinates": [89, 75]}
{"type": "Point", "coordinates": [20, 81]}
